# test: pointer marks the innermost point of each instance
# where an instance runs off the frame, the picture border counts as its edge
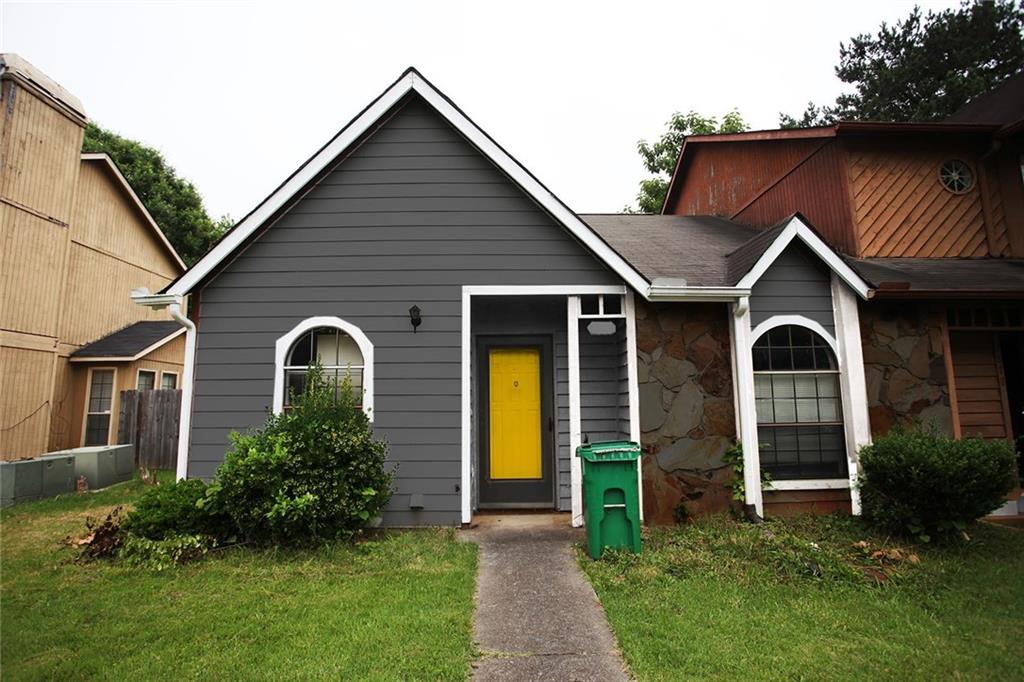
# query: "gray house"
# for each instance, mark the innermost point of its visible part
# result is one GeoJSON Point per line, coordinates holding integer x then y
{"type": "Point", "coordinates": [491, 329]}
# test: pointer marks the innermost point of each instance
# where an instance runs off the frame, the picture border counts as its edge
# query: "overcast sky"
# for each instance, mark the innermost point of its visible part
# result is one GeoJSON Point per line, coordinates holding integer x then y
{"type": "Point", "coordinates": [236, 94]}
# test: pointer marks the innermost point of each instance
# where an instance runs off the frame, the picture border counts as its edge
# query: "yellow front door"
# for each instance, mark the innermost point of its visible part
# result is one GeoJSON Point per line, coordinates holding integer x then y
{"type": "Point", "coordinates": [515, 413]}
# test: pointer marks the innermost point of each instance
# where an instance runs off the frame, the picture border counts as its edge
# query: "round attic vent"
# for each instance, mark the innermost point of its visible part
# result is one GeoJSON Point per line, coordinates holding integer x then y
{"type": "Point", "coordinates": [956, 176]}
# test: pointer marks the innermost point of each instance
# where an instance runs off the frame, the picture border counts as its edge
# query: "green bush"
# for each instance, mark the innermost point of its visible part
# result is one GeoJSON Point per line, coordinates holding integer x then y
{"type": "Point", "coordinates": [926, 485]}
{"type": "Point", "coordinates": [160, 554]}
{"type": "Point", "coordinates": [173, 509]}
{"type": "Point", "coordinates": [310, 474]}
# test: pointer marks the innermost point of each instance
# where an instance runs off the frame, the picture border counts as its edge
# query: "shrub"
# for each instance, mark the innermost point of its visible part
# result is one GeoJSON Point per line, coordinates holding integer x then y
{"type": "Point", "coordinates": [173, 509]}
{"type": "Point", "coordinates": [927, 485]}
{"type": "Point", "coordinates": [310, 474]}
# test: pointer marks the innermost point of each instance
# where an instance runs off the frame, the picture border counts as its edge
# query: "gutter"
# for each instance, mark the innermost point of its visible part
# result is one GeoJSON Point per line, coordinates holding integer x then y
{"type": "Point", "coordinates": [670, 289]}
{"type": "Point", "coordinates": [175, 305]}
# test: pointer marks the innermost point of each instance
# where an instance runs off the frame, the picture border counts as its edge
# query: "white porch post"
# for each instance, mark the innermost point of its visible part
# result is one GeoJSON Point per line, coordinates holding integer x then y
{"type": "Point", "coordinates": [853, 385]}
{"type": "Point", "coordinates": [575, 422]}
{"type": "Point", "coordinates": [744, 402]}
{"type": "Point", "coordinates": [467, 414]}
{"type": "Point", "coordinates": [629, 307]}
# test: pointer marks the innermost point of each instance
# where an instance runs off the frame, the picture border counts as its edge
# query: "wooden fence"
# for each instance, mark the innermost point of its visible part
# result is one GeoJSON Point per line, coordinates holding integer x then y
{"type": "Point", "coordinates": [149, 421]}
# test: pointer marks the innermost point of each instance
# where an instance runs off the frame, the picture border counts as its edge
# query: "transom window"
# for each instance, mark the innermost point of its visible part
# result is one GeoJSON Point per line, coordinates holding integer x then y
{"type": "Point", "coordinates": [799, 412]}
{"type": "Point", "coordinates": [338, 354]}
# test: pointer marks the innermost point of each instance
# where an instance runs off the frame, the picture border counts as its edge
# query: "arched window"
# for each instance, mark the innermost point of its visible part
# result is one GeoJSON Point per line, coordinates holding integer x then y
{"type": "Point", "coordinates": [344, 352]}
{"type": "Point", "coordinates": [799, 413]}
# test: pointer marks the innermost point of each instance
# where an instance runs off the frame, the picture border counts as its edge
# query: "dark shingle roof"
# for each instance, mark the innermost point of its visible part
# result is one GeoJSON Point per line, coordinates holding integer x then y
{"type": "Point", "coordinates": [739, 262]}
{"type": "Point", "coordinates": [942, 274]}
{"type": "Point", "coordinates": [677, 247]}
{"type": "Point", "coordinates": [128, 342]}
{"type": "Point", "coordinates": [1003, 105]}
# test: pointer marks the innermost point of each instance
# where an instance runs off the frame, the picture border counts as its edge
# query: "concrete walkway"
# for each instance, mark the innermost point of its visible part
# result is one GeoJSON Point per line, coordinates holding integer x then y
{"type": "Point", "coordinates": [537, 617]}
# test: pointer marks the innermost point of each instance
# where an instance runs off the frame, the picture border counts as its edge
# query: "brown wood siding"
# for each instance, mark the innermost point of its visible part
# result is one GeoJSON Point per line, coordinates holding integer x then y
{"type": "Point", "coordinates": [106, 219]}
{"type": "Point", "coordinates": [24, 401]}
{"type": "Point", "coordinates": [815, 188]}
{"type": "Point", "coordinates": [794, 502]}
{"type": "Point", "coordinates": [980, 384]}
{"type": "Point", "coordinates": [30, 271]}
{"type": "Point", "coordinates": [901, 208]}
{"type": "Point", "coordinates": [999, 229]}
{"type": "Point", "coordinates": [40, 150]}
{"type": "Point", "coordinates": [760, 183]}
{"type": "Point", "coordinates": [1007, 177]}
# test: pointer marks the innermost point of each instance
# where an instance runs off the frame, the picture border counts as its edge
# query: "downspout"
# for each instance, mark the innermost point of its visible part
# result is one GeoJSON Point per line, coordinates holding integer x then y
{"type": "Point", "coordinates": [175, 305]}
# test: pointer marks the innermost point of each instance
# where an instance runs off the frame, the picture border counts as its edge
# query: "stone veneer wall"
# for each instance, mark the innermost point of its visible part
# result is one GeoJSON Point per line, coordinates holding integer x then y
{"type": "Point", "coordinates": [687, 419]}
{"type": "Point", "coordinates": [904, 366]}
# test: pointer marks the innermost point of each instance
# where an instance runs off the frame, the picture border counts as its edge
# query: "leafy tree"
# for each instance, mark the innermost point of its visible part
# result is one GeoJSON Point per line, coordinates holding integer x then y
{"type": "Point", "coordinates": [173, 202]}
{"type": "Point", "coordinates": [660, 156]}
{"type": "Point", "coordinates": [924, 68]}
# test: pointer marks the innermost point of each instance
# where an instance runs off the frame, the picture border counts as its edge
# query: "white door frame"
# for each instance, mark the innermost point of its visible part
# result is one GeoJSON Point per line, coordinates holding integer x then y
{"type": "Point", "coordinates": [572, 294]}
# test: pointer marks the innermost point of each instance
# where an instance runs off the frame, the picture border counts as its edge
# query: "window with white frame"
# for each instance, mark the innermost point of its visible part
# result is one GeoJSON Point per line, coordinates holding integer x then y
{"type": "Point", "coordinates": [99, 407]}
{"type": "Point", "coordinates": [146, 380]}
{"type": "Point", "coordinates": [339, 356]}
{"type": "Point", "coordinates": [168, 381]}
{"type": "Point", "coordinates": [799, 410]}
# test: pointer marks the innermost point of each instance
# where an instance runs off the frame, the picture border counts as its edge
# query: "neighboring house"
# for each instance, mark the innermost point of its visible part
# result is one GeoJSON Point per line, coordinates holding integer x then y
{"type": "Point", "coordinates": [76, 239]}
{"type": "Point", "coordinates": [490, 330]}
{"type": "Point", "coordinates": [932, 216]}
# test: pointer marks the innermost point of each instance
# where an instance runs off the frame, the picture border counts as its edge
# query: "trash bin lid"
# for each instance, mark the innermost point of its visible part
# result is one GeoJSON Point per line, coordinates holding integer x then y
{"type": "Point", "coordinates": [610, 450]}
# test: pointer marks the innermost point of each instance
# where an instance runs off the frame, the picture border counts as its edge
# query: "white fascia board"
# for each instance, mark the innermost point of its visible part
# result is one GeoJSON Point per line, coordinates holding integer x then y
{"type": "Point", "coordinates": [815, 484]}
{"type": "Point", "coordinates": [138, 356]}
{"type": "Point", "coordinates": [412, 81]}
{"type": "Point", "coordinates": [797, 229]}
{"type": "Point", "coordinates": [659, 291]}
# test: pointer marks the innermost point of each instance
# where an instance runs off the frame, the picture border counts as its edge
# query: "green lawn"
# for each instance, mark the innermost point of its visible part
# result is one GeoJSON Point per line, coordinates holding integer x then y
{"type": "Point", "coordinates": [397, 606]}
{"type": "Point", "coordinates": [720, 600]}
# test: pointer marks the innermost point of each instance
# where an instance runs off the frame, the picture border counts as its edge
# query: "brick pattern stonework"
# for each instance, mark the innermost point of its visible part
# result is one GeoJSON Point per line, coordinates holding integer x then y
{"type": "Point", "coordinates": [904, 366]}
{"type": "Point", "coordinates": [686, 407]}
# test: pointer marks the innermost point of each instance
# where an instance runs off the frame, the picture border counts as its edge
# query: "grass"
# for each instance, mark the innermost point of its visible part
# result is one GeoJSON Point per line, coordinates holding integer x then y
{"type": "Point", "coordinates": [397, 606]}
{"type": "Point", "coordinates": [723, 600]}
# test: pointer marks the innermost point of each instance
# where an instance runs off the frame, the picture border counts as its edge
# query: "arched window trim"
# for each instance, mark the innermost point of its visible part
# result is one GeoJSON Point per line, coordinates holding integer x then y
{"type": "Point", "coordinates": [284, 344]}
{"type": "Point", "coordinates": [802, 321]}
{"type": "Point", "coordinates": [798, 321]}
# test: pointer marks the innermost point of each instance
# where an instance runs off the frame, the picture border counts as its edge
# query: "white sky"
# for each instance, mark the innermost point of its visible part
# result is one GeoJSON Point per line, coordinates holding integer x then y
{"type": "Point", "coordinates": [238, 93]}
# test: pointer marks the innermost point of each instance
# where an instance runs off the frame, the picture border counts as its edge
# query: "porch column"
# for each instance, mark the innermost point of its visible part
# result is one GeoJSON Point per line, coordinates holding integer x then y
{"type": "Point", "coordinates": [629, 307]}
{"type": "Point", "coordinates": [853, 386]}
{"type": "Point", "coordinates": [575, 421]}
{"type": "Point", "coordinates": [746, 409]}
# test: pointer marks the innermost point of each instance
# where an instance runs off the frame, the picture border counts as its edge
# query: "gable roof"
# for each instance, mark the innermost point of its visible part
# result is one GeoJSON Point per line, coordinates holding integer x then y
{"type": "Point", "coordinates": [130, 343]}
{"type": "Point", "coordinates": [409, 82]}
{"type": "Point", "coordinates": [108, 165]}
{"type": "Point", "coordinates": [709, 258]}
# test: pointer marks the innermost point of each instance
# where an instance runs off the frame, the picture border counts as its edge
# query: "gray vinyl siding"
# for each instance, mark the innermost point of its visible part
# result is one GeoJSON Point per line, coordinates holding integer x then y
{"type": "Point", "coordinates": [797, 283]}
{"type": "Point", "coordinates": [412, 215]}
{"type": "Point", "coordinates": [623, 392]}
{"type": "Point", "coordinates": [600, 383]}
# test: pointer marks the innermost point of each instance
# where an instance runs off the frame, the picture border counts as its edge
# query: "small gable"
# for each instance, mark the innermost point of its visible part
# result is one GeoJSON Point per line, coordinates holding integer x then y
{"type": "Point", "coordinates": [796, 283]}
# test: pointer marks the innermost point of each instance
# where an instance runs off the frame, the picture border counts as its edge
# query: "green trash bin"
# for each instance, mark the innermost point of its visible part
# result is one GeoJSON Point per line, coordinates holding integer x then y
{"type": "Point", "coordinates": [611, 501]}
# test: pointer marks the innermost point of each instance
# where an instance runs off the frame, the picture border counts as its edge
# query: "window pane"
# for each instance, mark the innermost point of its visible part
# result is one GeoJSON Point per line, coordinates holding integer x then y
{"type": "Point", "coordinates": [782, 385]}
{"type": "Point", "coordinates": [828, 410]}
{"type": "Point", "coordinates": [807, 410]}
{"type": "Point", "coordinates": [168, 381]}
{"type": "Point", "coordinates": [802, 336]}
{"type": "Point", "coordinates": [785, 411]}
{"type": "Point", "coordinates": [823, 359]}
{"type": "Point", "coordinates": [612, 304]}
{"type": "Point", "coordinates": [97, 429]}
{"type": "Point", "coordinates": [782, 359]}
{"type": "Point", "coordinates": [147, 381]}
{"type": "Point", "coordinates": [765, 414]}
{"type": "Point", "coordinates": [803, 358]}
{"type": "Point", "coordinates": [761, 359]}
{"type": "Point", "coordinates": [762, 386]}
{"type": "Point", "coordinates": [101, 390]}
{"type": "Point", "coordinates": [828, 385]}
{"type": "Point", "coordinates": [779, 337]}
{"type": "Point", "coordinates": [806, 386]}
{"type": "Point", "coordinates": [803, 452]}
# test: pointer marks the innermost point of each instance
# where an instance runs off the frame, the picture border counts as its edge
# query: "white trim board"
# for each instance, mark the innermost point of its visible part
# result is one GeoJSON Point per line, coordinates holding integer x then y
{"type": "Point", "coordinates": [284, 344]}
{"type": "Point", "coordinates": [808, 484]}
{"type": "Point", "coordinates": [798, 229]}
{"type": "Point", "coordinates": [410, 81]}
{"type": "Point", "coordinates": [132, 358]}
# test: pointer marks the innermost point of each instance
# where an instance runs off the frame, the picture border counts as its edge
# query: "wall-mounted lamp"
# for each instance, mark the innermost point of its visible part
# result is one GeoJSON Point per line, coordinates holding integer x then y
{"type": "Point", "coordinates": [414, 317]}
